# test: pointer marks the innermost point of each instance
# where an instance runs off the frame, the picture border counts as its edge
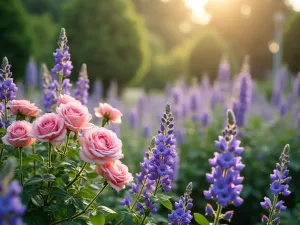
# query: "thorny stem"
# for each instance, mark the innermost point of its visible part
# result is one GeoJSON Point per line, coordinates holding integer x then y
{"type": "Point", "coordinates": [49, 156]}
{"type": "Point", "coordinates": [21, 165]}
{"type": "Point", "coordinates": [67, 143]}
{"type": "Point", "coordinates": [77, 175]}
{"type": "Point", "coordinates": [85, 209]}
{"type": "Point", "coordinates": [34, 164]}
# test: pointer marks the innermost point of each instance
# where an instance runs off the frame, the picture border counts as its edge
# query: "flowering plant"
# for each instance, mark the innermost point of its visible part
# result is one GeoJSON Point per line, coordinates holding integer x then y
{"type": "Point", "coordinates": [65, 161]}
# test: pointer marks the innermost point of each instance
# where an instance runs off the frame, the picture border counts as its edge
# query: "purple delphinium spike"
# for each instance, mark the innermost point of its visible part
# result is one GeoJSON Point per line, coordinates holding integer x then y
{"type": "Point", "coordinates": [98, 90]}
{"type": "Point", "coordinates": [63, 65]}
{"type": "Point", "coordinates": [11, 207]}
{"type": "Point", "coordinates": [279, 186]}
{"type": "Point", "coordinates": [66, 86]}
{"type": "Point", "coordinates": [133, 119]}
{"type": "Point", "coordinates": [280, 83]}
{"type": "Point", "coordinates": [157, 168]}
{"type": "Point", "coordinates": [49, 89]}
{"type": "Point", "coordinates": [181, 215]}
{"type": "Point", "coordinates": [225, 180]}
{"type": "Point", "coordinates": [224, 71]}
{"type": "Point", "coordinates": [81, 92]}
{"type": "Point", "coordinates": [8, 88]}
{"type": "Point", "coordinates": [296, 88]}
{"type": "Point", "coordinates": [244, 94]}
{"type": "Point", "coordinates": [32, 73]}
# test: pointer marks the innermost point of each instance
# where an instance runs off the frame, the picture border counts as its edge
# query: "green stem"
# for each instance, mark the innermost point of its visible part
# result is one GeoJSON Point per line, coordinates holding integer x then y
{"type": "Point", "coordinates": [34, 163]}
{"type": "Point", "coordinates": [104, 121]}
{"type": "Point", "coordinates": [157, 186]}
{"type": "Point", "coordinates": [21, 165]}
{"type": "Point", "coordinates": [5, 109]}
{"type": "Point", "coordinates": [60, 83]}
{"type": "Point", "coordinates": [120, 221]}
{"type": "Point", "coordinates": [139, 195]}
{"type": "Point", "coordinates": [1, 150]}
{"type": "Point", "coordinates": [85, 209]}
{"type": "Point", "coordinates": [272, 210]}
{"type": "Point", "coordinates": [49, 156]}
{"type": "Point", "coordinates": [144, 218]}
{"type": "Point", "coordinates": [216, 220]}
{"type": "Point", "coordinates": [67, 143]}
{"type": "Point", "coordinates": [77, 175]}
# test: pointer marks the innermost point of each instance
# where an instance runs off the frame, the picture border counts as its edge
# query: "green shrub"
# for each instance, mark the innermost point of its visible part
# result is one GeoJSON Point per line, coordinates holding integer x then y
{"type": "Point", "coordinates": [110, 37]}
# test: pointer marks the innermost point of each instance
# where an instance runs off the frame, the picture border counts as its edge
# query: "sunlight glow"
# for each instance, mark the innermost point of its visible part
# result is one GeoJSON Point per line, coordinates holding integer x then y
{"type": "Point", "coordinates": [295, 4]}
{"type": "Point", "coordinates": [274, 47]}
{"type": "Point", "coordinates": [199, 13]}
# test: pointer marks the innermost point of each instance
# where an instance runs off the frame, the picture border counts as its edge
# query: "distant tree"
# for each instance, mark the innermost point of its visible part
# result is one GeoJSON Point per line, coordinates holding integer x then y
{"type": "Point", "coordinates": [39, 7]}
{"type": "Point", "coordinates": [44, 30]}
{"type": "Point", "coordinates": [206, 55]}
{"type": "Point", "coordinates": [109, 37]}
{"type": "Point", "coordinates": [15, 39]}
{"type": "Point", "coordinates": [248, 26]}
{"type": "Point", "coordinates": [165, 19]}
{"type": "Point", "coordinates": [291, 44]}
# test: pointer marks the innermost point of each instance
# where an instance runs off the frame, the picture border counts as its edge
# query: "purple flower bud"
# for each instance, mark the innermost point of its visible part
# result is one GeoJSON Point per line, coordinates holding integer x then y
{"type": "Point", "coordinates": [209, 210]}
{"type": "Point", "coordinates": [228, 215]}
{"type": "Point", "coordinates": [264, 219]}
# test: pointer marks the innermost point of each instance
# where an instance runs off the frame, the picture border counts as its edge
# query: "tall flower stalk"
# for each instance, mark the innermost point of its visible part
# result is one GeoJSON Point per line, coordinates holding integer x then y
{"type": "Point", "coordinates": [225, 180]}
{"type": "Point", "coordinates": [81, 92]}
{"type": "Point", "coordinates": [157, 172]}
{"type": "Point", "coordinates": [279, 186]}
{"type": "Point", "coordinates": [63, 65]}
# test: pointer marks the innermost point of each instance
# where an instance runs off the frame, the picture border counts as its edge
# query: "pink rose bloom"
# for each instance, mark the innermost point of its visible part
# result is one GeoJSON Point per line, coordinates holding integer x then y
{"type": "Point", "coordinates": [63, 99]}
{"type": "Point", "coordinates": [105, 110]}
{"type": "Point", "coordinates": [100, 145]}
{"type": "Point", "coordinates": [17, 134]}
{"type": "Point", "coordinates": [49, 128]}
{"type": "Point", "coordinates": [76, 115]}
{"type": "Point", "coordinates": [115, 173]}
{"type": "Point", "coordinates": [23, 107]}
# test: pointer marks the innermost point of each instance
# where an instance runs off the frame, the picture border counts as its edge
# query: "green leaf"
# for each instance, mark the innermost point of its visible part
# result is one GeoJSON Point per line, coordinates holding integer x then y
{"type": "Point", "coordinates": [105, 209]}
{"type": "Point", "coordinates": [3, 131]}
{"type": "Point", "coordinates": [38, 200]}
{"type": "Point", "coordinates": [71, 210]}
{"type": "Point", "coordinates": [85, 194]}
{"type": "Point", "coordinates": [98, 219]}
{"type": "Point", "coordinates": [200, 219]}
{"type": "Point", "coordinates": [49, 177]}
{"type": "Point", "coordinates": [60, 194]}
{"type": "Point", "coordinates": [65, 178]}
{"type": "Point", "coordinates": [164, 200]}
{"type": "Point", "coordinates": [167, 204]}
{"type": "Point", "coordinates": [36, 158]}
{"type": "Point", "coordinates": [92, 175]}
{"type": "Point", "coordinates": [28, 193]}
{"type": "Point", "coordinates": [34, 180]}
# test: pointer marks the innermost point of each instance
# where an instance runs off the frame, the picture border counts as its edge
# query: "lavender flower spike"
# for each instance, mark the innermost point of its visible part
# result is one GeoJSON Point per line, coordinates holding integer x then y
{"type": "Point", "coordinates": [157, 169]}
{"type": "Point", "coordinates": [81, 92]}
{"type": "Point", "coordinates": [278, 187]}
{"type": "Point", "coordinates": [62, 58]}
{"type": "Point", "coordinates": [225, 180]}
{"type": "Point", "coordinates": [49, 89]}
{"type": "Point", "coordinates": [8, 88]}
{"type": "Point", "coordinates": [31, 73]}
{"type": "Point", "coordinates": [182, 213]}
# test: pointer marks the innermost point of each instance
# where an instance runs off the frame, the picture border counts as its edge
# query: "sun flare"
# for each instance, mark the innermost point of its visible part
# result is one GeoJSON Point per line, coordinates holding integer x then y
{"type": "Point", "coordinates": [199, 13]}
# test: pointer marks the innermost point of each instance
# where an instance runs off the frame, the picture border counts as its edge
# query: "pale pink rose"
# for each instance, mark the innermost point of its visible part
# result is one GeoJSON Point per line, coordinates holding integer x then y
{"type": "Point", "coordinates": [63, 99]}
{"type": "Point", "coordinates": [23, 107]}
{"type": "Point", "coordinates": [17, 134]}
{"type": "Point", "coordinates": [76, 115]}
{"type": "Point", "coordinates": [107, 111]}
{"type": "Point", "coordinates": [115, 173]}
{"type": "Point", "coordinates": [100, 145]}
{"type": "Point", "coordinates": [50, 127]}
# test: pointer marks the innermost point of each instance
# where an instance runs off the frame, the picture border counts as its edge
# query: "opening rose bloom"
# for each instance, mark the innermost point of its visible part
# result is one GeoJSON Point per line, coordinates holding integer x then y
{"type": "Point", "coordinates": [64, 99]}
{"type": "Point", "coordinates": [23, 107]}
{"type": "Point", "coordinates": [49, 128]}
{"type": "Point", "coordinates": [17, 134]}
{"type": "Point", "coordinates": [100, 145]}
{"type": "Point", "coordinates": [107, 111]}
{"type": "Point", "coordinates": [76, 115]}
{"type": "Point", "coordinates": [115, 173]}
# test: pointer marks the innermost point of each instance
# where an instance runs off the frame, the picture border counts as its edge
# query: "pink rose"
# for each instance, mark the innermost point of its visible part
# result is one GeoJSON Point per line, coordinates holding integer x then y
{"type": "Point", "coordinates": [23, 107]}
{"type": "Point", "coordinates": [17, 134]}
{"type": "Point", "coordinates": [63, 99]}
{"type": "Point", "coordinates": [107, 111]}
{"type": "Point", "coordinates": [100, 145]}
{"type": "Point", "coordinates": [49, 128]}
{"type": "Point", "coordinates": [115, 173]}
{"type": "Point", "coordinates": [76, 115]}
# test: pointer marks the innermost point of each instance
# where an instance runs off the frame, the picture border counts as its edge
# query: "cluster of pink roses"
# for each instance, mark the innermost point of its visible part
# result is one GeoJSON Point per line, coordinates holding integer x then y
{"type": "Point", "coordinates": [98, 144]}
